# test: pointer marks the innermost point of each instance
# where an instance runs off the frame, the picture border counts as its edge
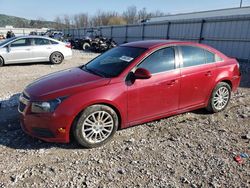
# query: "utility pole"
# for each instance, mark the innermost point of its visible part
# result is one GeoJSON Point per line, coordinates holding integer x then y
{"type": "Point", "coordinates": [241, 3]}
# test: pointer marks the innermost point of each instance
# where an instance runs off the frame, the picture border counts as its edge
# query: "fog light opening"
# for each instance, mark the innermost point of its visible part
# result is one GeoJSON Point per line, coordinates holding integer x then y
{"type": "Point", "coordinates": [62, 130]}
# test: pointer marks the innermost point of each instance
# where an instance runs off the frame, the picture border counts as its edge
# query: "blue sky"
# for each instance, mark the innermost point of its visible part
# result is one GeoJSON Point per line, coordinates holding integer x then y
{"type": "Point", "coordinates": [49, 9]}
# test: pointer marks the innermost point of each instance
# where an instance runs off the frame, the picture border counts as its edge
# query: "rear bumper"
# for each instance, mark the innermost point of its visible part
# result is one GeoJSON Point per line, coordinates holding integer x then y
{"type": "Point", "coordinates": [235, 82]}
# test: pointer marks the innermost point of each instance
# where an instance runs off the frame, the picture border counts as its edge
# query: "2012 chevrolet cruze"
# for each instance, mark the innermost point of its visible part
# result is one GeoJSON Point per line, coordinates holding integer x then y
{"type": "Point", "coordinates": [134, 83]}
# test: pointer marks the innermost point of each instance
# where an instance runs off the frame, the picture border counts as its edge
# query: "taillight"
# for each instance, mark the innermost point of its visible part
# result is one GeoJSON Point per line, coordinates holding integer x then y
{"type": "Point", "coordinates": [68, 45]}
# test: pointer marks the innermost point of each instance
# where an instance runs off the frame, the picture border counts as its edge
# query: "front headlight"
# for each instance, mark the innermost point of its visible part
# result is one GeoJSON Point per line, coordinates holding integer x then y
{"type": "Point", "coordinates": [47, 106]}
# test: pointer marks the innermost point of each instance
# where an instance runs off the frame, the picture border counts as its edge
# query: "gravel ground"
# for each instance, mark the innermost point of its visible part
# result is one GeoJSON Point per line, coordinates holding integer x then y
{"type": "Point", "coordinates": [194, 149]}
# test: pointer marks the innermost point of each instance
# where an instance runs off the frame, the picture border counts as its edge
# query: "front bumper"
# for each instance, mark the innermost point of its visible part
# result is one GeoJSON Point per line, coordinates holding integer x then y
{"type": "Point", "coordinates": [44, 130]}
{"type": "Point", "coordinates": [50, 127]}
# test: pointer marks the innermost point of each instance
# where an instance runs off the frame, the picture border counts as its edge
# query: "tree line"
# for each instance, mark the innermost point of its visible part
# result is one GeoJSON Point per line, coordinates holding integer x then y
{"type": "Point", "coordinates": [102, 18]}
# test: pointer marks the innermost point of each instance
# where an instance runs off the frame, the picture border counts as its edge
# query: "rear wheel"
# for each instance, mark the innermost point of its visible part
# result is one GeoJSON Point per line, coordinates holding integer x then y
{"type": "Point", "coordinates": [56, 58]}
{"type": "Point", "coordinates": [96, 126]}
{"type": "Point", "coordinates": [219, 98]}
{"type": "Point", "coordinates": [1, 62]}
{"type": "Point", "coordinates": [86, 46]}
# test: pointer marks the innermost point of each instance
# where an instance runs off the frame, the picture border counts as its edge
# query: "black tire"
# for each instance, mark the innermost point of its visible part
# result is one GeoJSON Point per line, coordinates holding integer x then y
{"type": "Point", "coordinates": [84, 138]}
{"type": "Point", "coordinates": [86, 46]}
{"type": "Point", "coordinates": [56, 58]}
{"type": "Point", "coordinates": [213, 105]}
{"type": "Point", "coordinates": [1, 62]}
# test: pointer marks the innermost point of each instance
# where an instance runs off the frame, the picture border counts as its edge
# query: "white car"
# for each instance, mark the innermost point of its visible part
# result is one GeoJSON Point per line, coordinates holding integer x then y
{"type": "Point", "coordinates": [27, 49]}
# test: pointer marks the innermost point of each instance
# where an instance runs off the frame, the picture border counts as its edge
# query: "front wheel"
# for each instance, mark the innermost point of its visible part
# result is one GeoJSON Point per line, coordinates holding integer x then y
{"type": "Point", "coordinates": [56, 58]}
{"type": "Point", "coordinates": [96, 126]}
{"type": "Point", "coordinates": [219, 98]}
{"type": "Point", "coordinates": [86, 46]}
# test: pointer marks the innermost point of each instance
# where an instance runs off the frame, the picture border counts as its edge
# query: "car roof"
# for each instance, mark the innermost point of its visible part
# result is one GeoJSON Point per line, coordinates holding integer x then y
{"type": "Point", "coordinates": [150, 43]}
{"type": "Point", "coordinates": [33, 36]}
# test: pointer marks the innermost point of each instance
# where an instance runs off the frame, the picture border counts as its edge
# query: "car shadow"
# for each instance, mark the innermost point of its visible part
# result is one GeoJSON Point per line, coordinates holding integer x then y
{"type": "Point", "coordinates": [11, 134]}
{"type": "Point", "coordinates": [28, 64]}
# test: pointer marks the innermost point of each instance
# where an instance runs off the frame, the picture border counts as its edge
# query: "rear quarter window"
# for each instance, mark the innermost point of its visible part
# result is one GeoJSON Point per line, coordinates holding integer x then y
{"type": "Point", "coordinates": [212, 57]}
{"type": "Point", "coordinates": [53, 42]}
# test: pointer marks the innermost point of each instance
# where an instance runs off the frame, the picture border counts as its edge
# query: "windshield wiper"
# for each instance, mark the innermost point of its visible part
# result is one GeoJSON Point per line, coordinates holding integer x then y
{"type": "Point", "coordinates": [93, 71]}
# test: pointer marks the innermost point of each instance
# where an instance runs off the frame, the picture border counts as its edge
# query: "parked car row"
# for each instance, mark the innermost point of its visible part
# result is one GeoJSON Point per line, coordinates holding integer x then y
{"type": "Point", "coordinates": [91, 41]}
{"type": "Point", "coordinates": [27, 49]}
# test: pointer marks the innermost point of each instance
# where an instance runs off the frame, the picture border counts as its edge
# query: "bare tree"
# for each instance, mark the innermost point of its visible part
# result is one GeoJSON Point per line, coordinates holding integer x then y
{"type": "Point", "coordinates": [117, 20]}
{"type": "Point", "coordinates": [143, 14]}
{"type": "Point", "coordinates": [102, 18]}
{"type": "Point", "coordinates": [66, 20]}
{"type": "Point", "coordinates": [59, 22]}
{"type": "Point", "coordinates": [130, 15]}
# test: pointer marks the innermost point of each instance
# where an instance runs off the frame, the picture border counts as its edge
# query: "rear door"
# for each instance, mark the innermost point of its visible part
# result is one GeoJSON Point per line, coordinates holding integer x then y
{"type": "Point", "coordinates": [197, 76]}
{"type": "Point", "coordinates": [158, 94]}
{"type": "Point", "coordinates": [20, 51]}
{"type": "Point", "coordinates": [42, 49]}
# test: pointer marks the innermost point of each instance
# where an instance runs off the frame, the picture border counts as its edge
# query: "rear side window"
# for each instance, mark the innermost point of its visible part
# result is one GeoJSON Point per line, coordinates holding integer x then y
{"type": "Point", "coordinates": [40, 41]}
{"type": "Point", "coordinates": [210, 57]}
{"type": "Point", "coordinates": [160, 61]}
{"type": "Point", "coordinates": [53, 42]}
{"type": "Point", "coordinates": [192, 56]}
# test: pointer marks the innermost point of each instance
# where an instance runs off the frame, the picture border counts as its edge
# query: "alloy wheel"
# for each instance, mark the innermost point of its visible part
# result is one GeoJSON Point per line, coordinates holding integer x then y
{"type": "Point", "coordinates": [97, 127]}
{"type": "Point", "coordinates": [221, 98]}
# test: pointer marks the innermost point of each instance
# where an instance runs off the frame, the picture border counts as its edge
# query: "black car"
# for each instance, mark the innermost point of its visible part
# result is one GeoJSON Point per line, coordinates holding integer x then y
{"type": "Point", "coordinates": [86, 41]}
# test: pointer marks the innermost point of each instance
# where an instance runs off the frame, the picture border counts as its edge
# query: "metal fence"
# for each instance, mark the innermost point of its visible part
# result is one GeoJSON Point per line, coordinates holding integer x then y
{"type": "Point", "coordinates": [230, 35]}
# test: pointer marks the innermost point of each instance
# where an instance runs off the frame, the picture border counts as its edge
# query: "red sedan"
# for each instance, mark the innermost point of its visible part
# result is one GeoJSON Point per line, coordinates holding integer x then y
{"type": "Point", "coordinates": [134, 83]}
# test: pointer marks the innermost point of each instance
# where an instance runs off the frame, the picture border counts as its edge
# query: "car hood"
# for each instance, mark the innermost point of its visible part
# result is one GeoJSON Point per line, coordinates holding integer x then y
{"type": "Point", "coordinates": [64, 83]}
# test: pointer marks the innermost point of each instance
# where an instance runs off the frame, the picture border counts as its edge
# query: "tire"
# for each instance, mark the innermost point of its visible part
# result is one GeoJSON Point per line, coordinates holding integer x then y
{"type": "Point", "coordinates": [1, 62]}
{"type": "Point", "coordinates": [220, 98]}
{"type": "Point", "coordinates": [90, 132]}
{"type": "Point", "coordinates": [56, 58]}
{"type": "Point", "coordinates": [86, 46]}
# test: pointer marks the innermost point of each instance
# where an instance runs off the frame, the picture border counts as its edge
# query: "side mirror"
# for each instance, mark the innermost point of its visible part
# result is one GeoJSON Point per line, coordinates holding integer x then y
{"type": "Point", "coordinates": [142, 73]}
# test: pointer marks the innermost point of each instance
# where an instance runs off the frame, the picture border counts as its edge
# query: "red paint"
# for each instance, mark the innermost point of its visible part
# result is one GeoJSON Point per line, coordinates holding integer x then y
{"type": "Point", "coordinates": [162, 95]}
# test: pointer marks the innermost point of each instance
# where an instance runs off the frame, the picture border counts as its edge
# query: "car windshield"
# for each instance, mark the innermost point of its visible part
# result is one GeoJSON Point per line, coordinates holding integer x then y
{"type": "Point", "coordinates": [113, 62]}
{"type": "Point", "coordinates": [6, 41]}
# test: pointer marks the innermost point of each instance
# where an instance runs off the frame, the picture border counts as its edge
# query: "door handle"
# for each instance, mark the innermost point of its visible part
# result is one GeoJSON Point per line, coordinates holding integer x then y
{"type": "Point", "coordinates": [208, 73]}
{"type": "Point", "coordinates": [28, 49]}
{"type": "Point", "coordinates": [172, 82]}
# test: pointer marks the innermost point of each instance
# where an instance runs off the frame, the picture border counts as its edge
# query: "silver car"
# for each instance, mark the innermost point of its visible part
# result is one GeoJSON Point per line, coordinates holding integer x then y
{"type": "Point", "coordinates": [27, 49]}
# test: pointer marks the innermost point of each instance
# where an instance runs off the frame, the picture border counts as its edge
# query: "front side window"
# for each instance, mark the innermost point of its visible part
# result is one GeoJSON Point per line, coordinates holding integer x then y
{"type": "Point", "coordinates": [40, 41]}
{"type": "Point", "coordinates": [21, 43]}
{"type": "Point", "coordinates": [192, 56]}
{"type": "Point", "coordinates": [160, 61]}
{"type": "Point", "coordinates": [114, 61]}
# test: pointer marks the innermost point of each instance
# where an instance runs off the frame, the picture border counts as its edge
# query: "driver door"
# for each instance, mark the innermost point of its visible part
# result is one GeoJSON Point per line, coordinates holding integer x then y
{"type": "Point", "coordinates": [159, 94]}
{"type": "Point", "coordinates": [19, 51]}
